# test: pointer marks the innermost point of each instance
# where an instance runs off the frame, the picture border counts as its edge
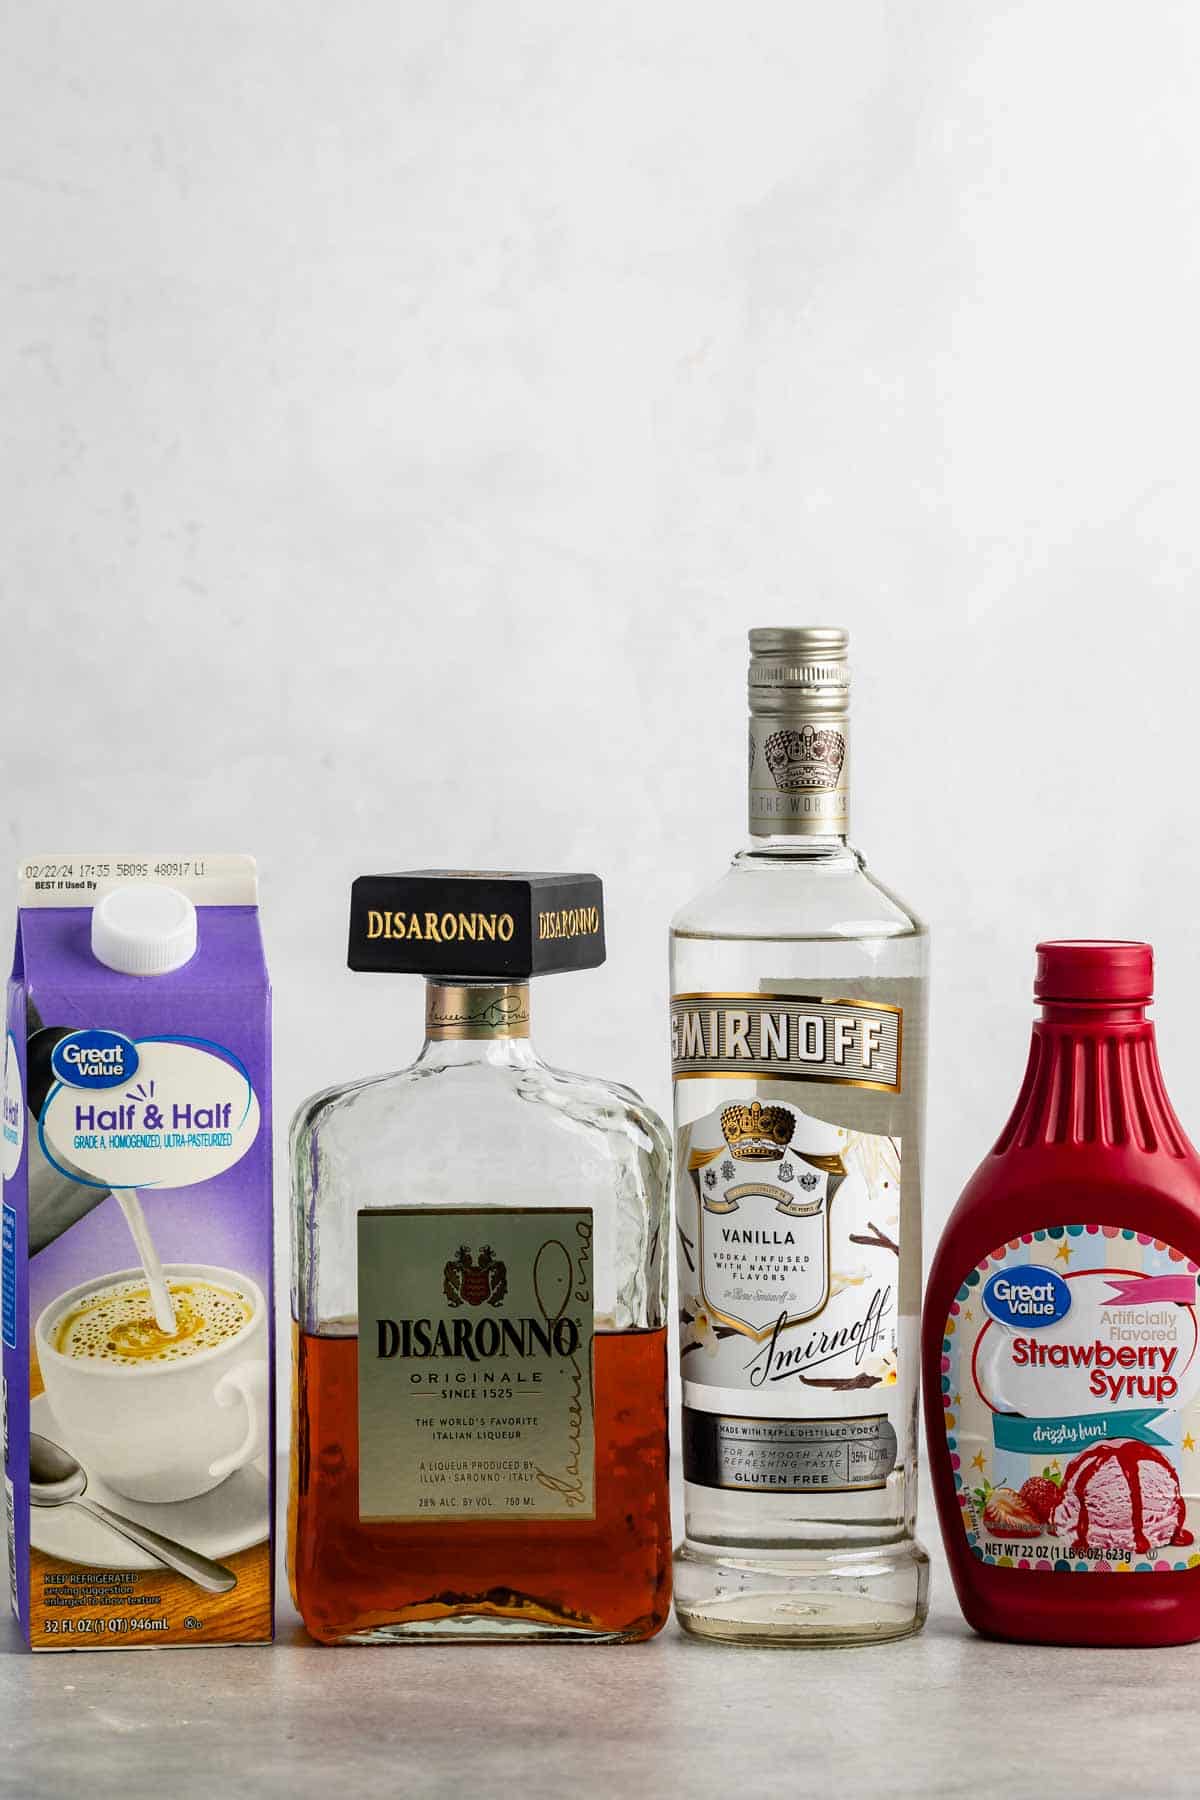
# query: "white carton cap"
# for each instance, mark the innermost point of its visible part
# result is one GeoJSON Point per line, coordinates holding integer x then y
{"type": "Point", "coordinates": [145, 930]}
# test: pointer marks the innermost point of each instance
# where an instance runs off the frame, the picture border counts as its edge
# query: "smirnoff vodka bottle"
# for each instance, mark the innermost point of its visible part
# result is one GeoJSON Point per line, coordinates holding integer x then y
{"type": "Point", "coordinates": [798, 1006]}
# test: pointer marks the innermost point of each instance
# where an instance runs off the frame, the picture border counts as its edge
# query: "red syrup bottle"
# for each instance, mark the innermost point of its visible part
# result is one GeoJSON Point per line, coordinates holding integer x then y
{"type": "Point", "coordinates": [1060, 1338]}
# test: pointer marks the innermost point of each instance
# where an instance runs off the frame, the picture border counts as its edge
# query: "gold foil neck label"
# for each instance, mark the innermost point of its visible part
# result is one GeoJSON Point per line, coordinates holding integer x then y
{"type": "Point", "coordinates": [799, 776]}
{"type": "Point", "coordinates": [467, 1011]}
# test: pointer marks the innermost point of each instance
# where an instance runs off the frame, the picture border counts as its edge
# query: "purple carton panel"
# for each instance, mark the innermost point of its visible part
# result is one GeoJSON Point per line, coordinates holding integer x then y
{"type": "Point", "coordinates": [136, 1139]}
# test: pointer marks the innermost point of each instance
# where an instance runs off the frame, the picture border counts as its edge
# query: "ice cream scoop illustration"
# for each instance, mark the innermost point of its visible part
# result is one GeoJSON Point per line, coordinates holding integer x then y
{"type": "Point", "coordinates": [1120, 1495]}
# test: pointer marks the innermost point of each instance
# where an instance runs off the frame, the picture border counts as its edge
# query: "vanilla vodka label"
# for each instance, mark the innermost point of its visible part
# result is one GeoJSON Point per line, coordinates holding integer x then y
{"type": "Point", "coordinates": [789, 1246]}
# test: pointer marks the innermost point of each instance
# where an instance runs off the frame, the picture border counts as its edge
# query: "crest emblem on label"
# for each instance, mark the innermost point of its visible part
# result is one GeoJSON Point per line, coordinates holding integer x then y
{"type": "Point", "coordinates": [765, 1189]}
{"type": "Point", "coordinates": [475, 1280]}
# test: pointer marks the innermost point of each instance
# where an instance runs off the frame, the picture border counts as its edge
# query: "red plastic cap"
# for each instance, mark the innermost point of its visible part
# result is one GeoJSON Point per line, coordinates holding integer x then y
{"type": "Point", "coordinates": [1095, 971]}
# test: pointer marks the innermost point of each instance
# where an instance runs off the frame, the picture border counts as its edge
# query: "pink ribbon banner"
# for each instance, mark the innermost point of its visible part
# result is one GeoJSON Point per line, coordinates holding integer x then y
{"type": "Point", "coordinates": [1153, 1290]}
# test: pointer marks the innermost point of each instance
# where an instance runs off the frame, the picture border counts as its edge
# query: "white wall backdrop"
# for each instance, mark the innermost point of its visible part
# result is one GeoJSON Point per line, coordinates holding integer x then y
{"type": "Point", "coordinates": [407, 409]}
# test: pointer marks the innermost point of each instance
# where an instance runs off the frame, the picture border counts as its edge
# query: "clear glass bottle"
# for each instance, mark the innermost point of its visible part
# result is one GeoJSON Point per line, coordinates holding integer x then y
{"type": "Point", "coordinates": [798, 989]}
{"type": "Point", "coordinates": [480, 1443]}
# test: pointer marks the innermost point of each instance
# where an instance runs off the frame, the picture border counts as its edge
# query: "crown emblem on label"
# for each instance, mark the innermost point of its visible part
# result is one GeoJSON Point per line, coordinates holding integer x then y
{"type": "Point", "coordinates": [756, 1133]}
{"type": "Point", "coordinates": [805, 758]}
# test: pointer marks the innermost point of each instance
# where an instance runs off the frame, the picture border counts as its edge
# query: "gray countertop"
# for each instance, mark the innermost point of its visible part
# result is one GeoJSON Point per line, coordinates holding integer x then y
{"type": "Point", "coordinates": [942, 1714]}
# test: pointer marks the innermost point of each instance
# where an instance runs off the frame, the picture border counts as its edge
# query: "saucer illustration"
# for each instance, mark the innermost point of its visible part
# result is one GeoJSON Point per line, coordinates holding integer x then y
{"type": "Point", "coordinates": [229, 1518]}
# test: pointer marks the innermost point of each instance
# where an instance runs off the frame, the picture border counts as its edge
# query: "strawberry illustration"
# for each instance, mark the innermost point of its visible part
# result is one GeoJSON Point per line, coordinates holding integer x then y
{"type": "Point", "coordinates": [1041, 1495]}
{"type": "Point", "coordinates": [1007, 1515]}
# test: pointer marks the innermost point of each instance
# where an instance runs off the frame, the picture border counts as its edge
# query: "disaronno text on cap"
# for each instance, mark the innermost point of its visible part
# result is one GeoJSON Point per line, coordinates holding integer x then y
{"type": "Point", "coordinates": [450, 924]}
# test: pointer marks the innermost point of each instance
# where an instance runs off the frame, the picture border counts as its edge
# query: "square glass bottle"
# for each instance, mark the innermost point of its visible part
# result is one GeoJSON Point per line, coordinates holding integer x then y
{"type": "Point", "coordinates": [479, 1267]}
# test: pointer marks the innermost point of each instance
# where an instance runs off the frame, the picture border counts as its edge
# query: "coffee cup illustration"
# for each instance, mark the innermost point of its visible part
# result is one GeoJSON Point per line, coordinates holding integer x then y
{"type": "Point", "coordinates": [159, 1417]}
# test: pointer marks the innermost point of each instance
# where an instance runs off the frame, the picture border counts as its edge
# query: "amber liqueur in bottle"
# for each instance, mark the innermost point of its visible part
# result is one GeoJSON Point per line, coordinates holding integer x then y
{"type": "Point", "coordinates": [480, 1434]}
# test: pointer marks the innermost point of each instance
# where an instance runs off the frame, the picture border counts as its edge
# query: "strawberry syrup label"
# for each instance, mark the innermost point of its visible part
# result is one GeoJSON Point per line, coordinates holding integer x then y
{"type": "Point", "coordinates": [1071, 1396]}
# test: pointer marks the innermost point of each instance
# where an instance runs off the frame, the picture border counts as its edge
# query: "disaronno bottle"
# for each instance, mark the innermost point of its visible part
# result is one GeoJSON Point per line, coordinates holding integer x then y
{"type": "Point", "coordinates": [480, 1446]}
{"type": "Point", "coordinates": [798, 1046]}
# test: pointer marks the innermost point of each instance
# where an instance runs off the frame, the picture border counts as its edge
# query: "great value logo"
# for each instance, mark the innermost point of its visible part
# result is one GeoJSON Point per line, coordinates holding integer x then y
{"type": "Point", "coordinates": [94, 1059]}
{"type": "Point", "coordinates": [1027, 1296]}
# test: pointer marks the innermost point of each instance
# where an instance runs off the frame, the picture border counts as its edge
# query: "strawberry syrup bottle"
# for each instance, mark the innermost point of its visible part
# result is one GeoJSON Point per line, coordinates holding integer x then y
{"type": "Point", "coordinates": [1061, 1370]}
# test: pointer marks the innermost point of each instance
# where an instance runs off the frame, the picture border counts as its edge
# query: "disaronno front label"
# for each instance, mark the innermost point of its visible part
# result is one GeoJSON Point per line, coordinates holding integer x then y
{"type": "Point", "coordinates": [787, 1037]}
{"type": "Point", "coordinates": [475, 1363]}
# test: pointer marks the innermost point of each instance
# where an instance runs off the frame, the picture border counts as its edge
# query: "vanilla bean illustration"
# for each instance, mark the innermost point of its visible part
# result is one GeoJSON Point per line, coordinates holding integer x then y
{"type": "Point", "coordinates": [878, 1240]}
{"type": "Point", "coordinates": [718, 1331]}
{"type": "Point", "coordinates": [843, 1384]}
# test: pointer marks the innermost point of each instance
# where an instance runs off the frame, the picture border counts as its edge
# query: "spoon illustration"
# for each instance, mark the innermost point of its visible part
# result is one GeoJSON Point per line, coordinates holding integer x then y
{"type": "Point", "coordinates": [56, 1479]}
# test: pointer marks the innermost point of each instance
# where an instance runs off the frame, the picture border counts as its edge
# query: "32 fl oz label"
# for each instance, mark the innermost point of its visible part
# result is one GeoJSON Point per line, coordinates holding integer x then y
{"type": "Point", "coordinates": [117, 1626]}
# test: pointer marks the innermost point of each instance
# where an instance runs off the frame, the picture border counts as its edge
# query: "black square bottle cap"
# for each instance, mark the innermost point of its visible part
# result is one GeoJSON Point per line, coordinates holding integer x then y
{"type": "Point", "coordinates": [459, 924]}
